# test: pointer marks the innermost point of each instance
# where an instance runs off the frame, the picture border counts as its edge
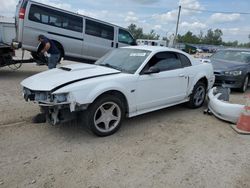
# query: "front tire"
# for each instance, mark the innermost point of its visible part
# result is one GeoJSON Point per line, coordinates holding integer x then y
{"type": "Point", "coordinates": [245, 84]}
{"type": "Point", "coordinates": [105, 115]}
{"type": "Point", "coordinates": [198, 95]}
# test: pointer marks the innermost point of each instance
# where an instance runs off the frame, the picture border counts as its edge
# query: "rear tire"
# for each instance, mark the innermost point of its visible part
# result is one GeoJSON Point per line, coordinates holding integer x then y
{"type": "Point", "coordinates": [198, 95]}
{"type": "Point", "coordinates": [105, 115]}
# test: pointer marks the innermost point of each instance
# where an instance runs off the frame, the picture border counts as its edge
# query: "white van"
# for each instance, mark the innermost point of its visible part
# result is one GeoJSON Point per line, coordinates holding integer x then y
{"type": "Point", "coordinates": [76, 36]}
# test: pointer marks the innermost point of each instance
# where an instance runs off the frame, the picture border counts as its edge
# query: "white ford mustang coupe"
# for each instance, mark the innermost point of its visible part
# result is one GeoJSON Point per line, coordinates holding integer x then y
{"type": "Point", "coordinates": [126, 82]}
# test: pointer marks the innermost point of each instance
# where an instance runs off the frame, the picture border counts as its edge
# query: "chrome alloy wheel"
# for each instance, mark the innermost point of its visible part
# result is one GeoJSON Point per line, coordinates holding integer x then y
{"type": "Point", "coordinates": [199, 95]}
{"type": "Point", "coordinates": [107, 117]}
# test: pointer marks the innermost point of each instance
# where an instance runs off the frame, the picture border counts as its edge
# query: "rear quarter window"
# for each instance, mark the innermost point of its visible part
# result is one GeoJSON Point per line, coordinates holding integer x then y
{"type": "Point", "coordinates": [185, 61]}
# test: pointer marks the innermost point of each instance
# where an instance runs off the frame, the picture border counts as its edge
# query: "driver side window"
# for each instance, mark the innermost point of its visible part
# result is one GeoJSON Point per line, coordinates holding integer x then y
{"type": "Point", "coordinates": [125, 37]}
{"type": "Point", "coordinates": [165, 61]}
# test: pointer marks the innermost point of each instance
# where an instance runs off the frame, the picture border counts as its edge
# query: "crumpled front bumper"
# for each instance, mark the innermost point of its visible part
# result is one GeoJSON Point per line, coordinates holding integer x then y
{"type": "Point", "coordinates": [56, 112]}
{"type": "Point", "coordinates": [223, 109]}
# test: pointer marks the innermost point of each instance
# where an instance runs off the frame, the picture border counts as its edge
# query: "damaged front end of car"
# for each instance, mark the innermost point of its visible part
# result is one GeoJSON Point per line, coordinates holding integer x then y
{"type": "Point", "coordinates": [58, 108]}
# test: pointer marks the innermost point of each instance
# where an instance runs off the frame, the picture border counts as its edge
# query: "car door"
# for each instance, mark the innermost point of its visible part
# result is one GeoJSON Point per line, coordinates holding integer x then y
{"type": "Point", "coordinates": [167, 87]}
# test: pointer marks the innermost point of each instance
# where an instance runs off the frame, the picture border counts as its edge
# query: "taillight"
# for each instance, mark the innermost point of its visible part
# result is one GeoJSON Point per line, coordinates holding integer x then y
{"type": "Point", "coordinates": [22, 13]}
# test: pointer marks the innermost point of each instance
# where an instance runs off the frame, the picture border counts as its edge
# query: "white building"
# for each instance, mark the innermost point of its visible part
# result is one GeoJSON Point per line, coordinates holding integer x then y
{"type": "Point", "coordinates": [7, 30]}
{"type": "Point", "coordinates": [147, 42]}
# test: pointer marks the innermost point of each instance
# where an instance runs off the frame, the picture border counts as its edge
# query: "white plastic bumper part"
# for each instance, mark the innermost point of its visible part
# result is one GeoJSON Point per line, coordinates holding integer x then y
{"type": "Point", "coordinates": [223, 109]}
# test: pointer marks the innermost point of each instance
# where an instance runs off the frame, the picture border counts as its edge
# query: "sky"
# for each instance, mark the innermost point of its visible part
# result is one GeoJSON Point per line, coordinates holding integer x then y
{"type": "Point", "coordinates": [161, 15]}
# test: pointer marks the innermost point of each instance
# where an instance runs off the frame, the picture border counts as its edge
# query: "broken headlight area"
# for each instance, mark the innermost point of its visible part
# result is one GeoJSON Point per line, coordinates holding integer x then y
{"type": "Point", "coordinates": [44, 97]}
{"type": "Point", "coordinates": [59, 98]}
{"type": "Point", "coordinates": [28, 94]}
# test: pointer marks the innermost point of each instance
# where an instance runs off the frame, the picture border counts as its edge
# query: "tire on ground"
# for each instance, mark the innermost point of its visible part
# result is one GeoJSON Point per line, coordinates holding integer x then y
{"type": "Point", "coordinates": [245, 84]}
{"type": "Point", "coordinates": [95, 113]}
{"type": "Point", "coordinates": [198, 95]}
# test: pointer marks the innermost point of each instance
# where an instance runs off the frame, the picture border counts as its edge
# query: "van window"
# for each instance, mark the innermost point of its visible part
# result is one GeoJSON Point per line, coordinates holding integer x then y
{"type": "Point", "coordinates": [125, 37]}
{"type": "Point", "coordinates": [99, 30]}
{"type": "Point", "coordinates": [55, 18]}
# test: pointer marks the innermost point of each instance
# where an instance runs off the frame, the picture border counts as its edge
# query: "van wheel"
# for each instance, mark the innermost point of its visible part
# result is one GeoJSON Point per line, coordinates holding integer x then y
{"type": "Point", "coordinates": [105, 115]}
{"type": "Point", "coordinates": [198, 95]}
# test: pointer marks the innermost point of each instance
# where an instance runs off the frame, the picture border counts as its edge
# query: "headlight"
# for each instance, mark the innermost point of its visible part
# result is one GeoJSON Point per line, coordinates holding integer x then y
{"type": "Point", "coordinates": [62, 97]}
{"type": "Point", "coordinates": [233, 73]}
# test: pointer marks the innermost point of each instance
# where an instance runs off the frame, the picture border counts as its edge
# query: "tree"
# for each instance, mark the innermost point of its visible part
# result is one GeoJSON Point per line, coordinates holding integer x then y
{"type": "Point", "coordinates": [200, 36]}
{"type": "Point", "coordinates": [217, 37]}
{"type": "Point", "coordinates": [213, 37]}
{"type": "Point", "coordinates": [151, 36]}
{"type": "Point", "coordinates": [234, 43]}
{"type": "Point", "coordinates": [189, 37]}
{"type": "Point", "coordinates": [136, 32]}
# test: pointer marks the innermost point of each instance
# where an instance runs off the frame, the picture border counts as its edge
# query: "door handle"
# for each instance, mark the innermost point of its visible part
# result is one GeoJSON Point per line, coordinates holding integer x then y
{"type": "Point", "coordinates": [181, 75]}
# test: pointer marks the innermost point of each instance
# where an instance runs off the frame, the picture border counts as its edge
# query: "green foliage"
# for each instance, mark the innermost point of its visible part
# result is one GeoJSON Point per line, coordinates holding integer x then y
{"type": "Point", "coordinates": [245, 45]}
{"type": "Point", "coordinates": [233, 44]}
{"type": "Point", "coordinates": [213, 37]}
{"type": "Point", "coordinates": [189, 37]}
{"type": "Point", "coordinates": [151, 36]}
{"type": "Point", "coordinates": [137, 32]}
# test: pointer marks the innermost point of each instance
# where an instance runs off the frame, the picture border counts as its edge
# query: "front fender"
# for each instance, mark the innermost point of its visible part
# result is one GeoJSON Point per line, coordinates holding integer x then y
{"type": "Point", "coordinates": [86, 93]}
{"type": "Point", "coordinates": [102, 88]}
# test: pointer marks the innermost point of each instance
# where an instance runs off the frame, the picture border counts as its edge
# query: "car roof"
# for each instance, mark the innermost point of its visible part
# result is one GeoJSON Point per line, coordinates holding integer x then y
{"type": "Point", "coordinates": [156, 49]}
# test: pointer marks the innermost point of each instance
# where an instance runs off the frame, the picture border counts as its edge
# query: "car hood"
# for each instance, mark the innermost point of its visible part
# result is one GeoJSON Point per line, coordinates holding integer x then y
{"type": "Point", "coordinates": [59, 77]}
{"type": "Point", "coordinates": [223, 65]}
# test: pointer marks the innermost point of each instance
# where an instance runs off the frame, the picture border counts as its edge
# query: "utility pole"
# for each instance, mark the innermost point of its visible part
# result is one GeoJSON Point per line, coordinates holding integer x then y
{"type": "Point", "coordinates": [177, 25]}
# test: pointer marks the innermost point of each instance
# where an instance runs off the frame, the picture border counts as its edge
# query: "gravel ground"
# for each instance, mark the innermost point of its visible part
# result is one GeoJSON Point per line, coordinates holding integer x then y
{"type": "Point", "coordinates": [174, 147]}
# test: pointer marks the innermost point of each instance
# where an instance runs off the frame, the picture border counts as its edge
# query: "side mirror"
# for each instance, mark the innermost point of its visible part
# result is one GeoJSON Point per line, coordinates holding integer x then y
{"type": "Point", "coordinates": [133, 43]}
{"type": "Point", "coordinates": [152, 70]}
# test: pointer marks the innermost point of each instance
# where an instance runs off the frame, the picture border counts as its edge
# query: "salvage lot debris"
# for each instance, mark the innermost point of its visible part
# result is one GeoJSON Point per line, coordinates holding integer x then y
{"type": "Point", "coordinates": [219, 106]}
{"type": "Point", "coordinates": [223, 109]}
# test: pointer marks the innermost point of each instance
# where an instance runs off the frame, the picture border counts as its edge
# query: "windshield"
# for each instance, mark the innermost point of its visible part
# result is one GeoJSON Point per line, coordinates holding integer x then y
{"type": "Point", "coordinates": [124, 59]}
{"type": "Point", "coordinates": [232, 55]}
